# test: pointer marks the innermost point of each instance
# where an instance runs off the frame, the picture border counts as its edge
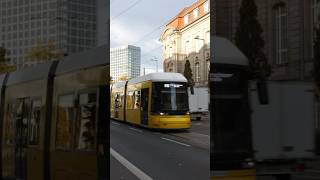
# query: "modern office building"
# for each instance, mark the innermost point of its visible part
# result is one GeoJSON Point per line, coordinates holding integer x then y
{"type": "Point", "coordinates": [187, 37]}
{"type": "Point", "coordinates": [288, 31]}
{"type": "Point", "coordinates": [71, 25]}
{"type": "Point", "coordinates": [125, 62]}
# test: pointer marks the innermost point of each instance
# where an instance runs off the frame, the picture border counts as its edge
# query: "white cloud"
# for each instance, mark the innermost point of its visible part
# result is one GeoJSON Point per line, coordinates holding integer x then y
{"type": "Point", "coordinates": [120, 34]}
{"type": "Point", "coordinates": [123, 34]}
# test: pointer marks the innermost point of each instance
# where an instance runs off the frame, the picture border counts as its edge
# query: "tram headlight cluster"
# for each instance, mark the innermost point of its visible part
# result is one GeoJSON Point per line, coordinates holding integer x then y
{"type": "Point", "coordinates": [162, 113]}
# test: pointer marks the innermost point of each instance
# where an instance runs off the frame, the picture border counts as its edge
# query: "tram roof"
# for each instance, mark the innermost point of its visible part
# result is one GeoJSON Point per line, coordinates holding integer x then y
{"type": "Point", "coordinates": [40, 71]}
{"type": "Point", "coordinates": [94, 57]}
{"type": "Point", "coordinates": [119, 84]}
{"type": "Point", "coordinates": [91, 58]}
{"type": "Point", "coordinates": [159, 77]}
{"type": "Point", "coordinates": [225, 52]}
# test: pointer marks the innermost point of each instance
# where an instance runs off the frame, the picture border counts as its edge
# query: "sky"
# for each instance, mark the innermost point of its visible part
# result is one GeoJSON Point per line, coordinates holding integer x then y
{"type": "Point", "coordinates": [136, 25]}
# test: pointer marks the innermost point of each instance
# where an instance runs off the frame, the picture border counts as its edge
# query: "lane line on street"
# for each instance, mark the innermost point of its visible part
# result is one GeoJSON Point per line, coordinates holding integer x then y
{"type": "Point", "coordinates": [201, 134]}
{"type": "Point", "coordinates": [132, 168]}
{"type": "Point", "coordinates": [116, 123]}
{"type": "Point", "coordinates": [137, 130]}
{"type": "Point", "coordinates": [175, 142]}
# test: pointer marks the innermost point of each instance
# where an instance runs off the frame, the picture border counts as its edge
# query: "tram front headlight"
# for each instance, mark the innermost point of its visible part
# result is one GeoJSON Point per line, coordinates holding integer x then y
{"type": "Point", "coordinates": [249, 163]}
{"type": "Point", "coordinates": [161, 114]}
{"type": "Point", "coordinates": [187, 113]}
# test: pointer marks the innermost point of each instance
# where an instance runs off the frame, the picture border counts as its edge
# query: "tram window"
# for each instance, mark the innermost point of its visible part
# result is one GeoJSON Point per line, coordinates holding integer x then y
{"type": "Point", "coordinates": [136, 96]}
{"type": "Point", "coordinates": [34, 124]}
{"type": "Point", "coordinates": [121, 99]}
{"type": "Point", "coordinates": [86, 124]}
{"type": "Point", "coordinates": [118, 100]}
{"type": "Point", "coordinates": [130, 98]}
{"type": "Point", "coordinates": [65, 119]}
{"type": "Point", "coordinates": [9, 125]}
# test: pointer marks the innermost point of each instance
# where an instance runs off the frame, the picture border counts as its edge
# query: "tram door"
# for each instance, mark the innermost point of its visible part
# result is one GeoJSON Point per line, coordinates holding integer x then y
{"type": "Point", "coordinates": [144, 106]}
{"type": "Point", "coordinates": [22, 115]}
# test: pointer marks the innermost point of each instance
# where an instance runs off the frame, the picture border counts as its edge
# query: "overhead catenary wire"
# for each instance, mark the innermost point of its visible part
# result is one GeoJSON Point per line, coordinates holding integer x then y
{"type": "Point", "coordinates": [148, 52]}
{"type": "Point", "coordinates": [125, 10]}
{"type": "Point", "coordinates": [149, 33]}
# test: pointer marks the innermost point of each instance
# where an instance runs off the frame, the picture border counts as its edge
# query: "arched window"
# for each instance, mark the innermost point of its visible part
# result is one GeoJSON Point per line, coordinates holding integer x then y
{"type": "Point", "coordinates": [280, 33]}
{"type": "Point", "coordinates": [170, 69]}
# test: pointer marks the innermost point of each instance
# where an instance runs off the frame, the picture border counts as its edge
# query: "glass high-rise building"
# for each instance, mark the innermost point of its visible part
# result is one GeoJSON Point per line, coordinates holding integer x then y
{"type": "Point", "coordinates": [125, 61]}
{"type": "Point", "coordinates": [71, 25]}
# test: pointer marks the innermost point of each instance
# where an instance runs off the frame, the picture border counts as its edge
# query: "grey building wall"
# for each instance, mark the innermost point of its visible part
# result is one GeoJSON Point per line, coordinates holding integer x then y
{"type": "Point", "coordinates": [70, 24]}
{"type": "Point", "coordinates": [103, 19]}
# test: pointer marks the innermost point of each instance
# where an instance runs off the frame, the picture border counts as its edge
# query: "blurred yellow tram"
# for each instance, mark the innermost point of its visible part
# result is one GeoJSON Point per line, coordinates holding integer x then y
{"type": "Point", "coordinates": [53, 119]}
{"type": "Point", "coordinates": [156, 100]}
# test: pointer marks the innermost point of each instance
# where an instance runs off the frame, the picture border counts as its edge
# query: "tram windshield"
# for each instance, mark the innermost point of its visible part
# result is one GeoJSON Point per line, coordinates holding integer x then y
{"type": "Point", "coordinates": [170, 98]}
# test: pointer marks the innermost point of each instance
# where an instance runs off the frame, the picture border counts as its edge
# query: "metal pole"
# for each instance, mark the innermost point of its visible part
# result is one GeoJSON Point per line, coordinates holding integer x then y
{"type": "Point", "coordinates": [157, 65]}
{"type": "Point", "coordinates": [156, 60]}
{"type": "Point", "coordinates": [204, 41]}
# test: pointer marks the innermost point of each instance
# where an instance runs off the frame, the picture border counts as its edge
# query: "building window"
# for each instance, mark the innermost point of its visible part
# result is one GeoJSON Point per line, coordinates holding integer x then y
{"type": "Point", "coordinates": [186, 19]}
{"type": "Point", "coordinates": [170, 67]}
{"type": "Point", "coordinates": [280, 34]}
{"type": "Point", "coordinates": [208, 39]}
{"type": "Point", "coordinates": [197, 71]}
{"type": "Point", "coordinates": [315, 21]}
{"type": "Point", "coordinates": [187, 47]}
{"type": "Point", "coordinates": [198, 43]}
{"type": "Point", "coordinates": [195, 13]}
{"type": "Point", "coordinates": [206, 7]}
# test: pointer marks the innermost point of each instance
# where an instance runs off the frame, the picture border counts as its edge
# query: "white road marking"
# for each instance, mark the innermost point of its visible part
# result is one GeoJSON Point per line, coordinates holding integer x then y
{"type": "Point", "coordinates": [132, 168]}
{"type": "Point", "coordinates": [175, 142]}
{"type": "Point", "coordinates": [138, 130]}
{"type": "Point", "coordinates": [201, 134]}
{"type": "Point", "coordinates": [115, 123]}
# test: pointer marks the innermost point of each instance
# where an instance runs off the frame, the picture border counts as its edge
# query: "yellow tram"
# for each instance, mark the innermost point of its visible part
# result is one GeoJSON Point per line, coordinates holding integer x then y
{"type": "Point", "coordinates": [232, 154]}
{"type": "Point", "coordinates": [156, 100]}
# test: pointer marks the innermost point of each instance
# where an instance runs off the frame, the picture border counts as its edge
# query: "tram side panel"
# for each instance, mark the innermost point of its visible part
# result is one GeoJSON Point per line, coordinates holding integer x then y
{"type": "Point", "coordinates": [138, 103]}
{"type": "Point", "coordinates": [74, 124]}
{"type": "Point", "coordinates": [23, 130]}
{"type": "Point", "coordinates": [133, 104]}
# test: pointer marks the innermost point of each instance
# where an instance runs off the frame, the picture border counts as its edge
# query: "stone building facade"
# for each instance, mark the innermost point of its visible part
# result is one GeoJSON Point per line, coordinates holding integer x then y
{"type": "Point", "coordinates": [187, 37]}
{"type": "Point", "coordinates": [288, 31]}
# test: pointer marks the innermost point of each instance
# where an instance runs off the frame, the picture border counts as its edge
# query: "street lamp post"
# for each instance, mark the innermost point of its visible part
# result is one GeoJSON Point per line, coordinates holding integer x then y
{"type": "Point", "coordinates": [197, 38]}
{"type": "Point", "coordinates": [155, 59]}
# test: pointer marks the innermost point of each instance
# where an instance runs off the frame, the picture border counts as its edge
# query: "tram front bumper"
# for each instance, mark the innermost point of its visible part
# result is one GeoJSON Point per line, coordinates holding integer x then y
{"type": "Point", "coordinates": [171, 122]}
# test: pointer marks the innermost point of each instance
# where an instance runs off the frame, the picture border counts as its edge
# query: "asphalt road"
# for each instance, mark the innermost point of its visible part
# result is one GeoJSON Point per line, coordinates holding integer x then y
{"type": "Point", "coordinates": [138, 153]}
